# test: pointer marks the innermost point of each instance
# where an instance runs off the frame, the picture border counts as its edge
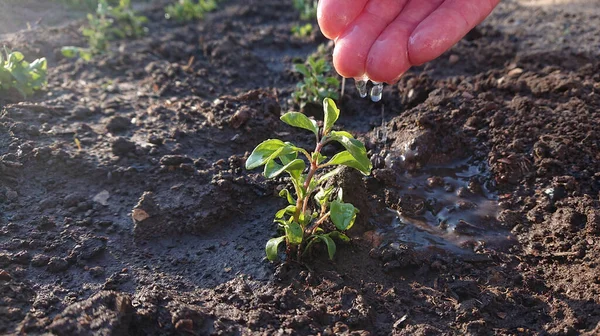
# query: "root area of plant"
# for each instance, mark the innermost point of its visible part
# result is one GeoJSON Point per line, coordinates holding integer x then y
{"type": "Point", "coordinates": [125, 208]}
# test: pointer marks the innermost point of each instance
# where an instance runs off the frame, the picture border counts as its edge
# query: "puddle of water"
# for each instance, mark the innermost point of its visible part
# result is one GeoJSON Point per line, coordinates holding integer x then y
{"type": "Point", "coordinates": [450, 207]}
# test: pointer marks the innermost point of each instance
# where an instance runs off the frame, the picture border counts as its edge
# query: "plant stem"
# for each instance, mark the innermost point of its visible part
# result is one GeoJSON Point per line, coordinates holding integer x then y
{"type": "Point", "coordinates": [302, 203]}
{"type": "Point", "coordinates": [319, 222]}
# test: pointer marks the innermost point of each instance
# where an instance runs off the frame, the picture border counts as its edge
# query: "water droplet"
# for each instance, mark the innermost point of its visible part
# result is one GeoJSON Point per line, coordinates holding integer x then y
{"type": "Point", "coordinates": [361, 86]}
{"type": "Point", "coordinates": [376, 91]}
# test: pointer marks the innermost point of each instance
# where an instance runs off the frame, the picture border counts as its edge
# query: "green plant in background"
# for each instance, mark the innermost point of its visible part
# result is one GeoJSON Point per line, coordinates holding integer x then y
{"type": "Point", "coordinates": [86, 4]}
{"type": "Point", "coordinates": [127, 23]}
{"type": "Point", "coordinates": [188, 10]}
{"type": "Point", "coordinates": [327, 217]}
{"type": "Point", "coordinates": [106, 24]}
{"type": "Point", "coordinates": [315, 85]}
{"type": "Point", "coordinates": [307, 9]}
{"type": "Point", "coordinates": [21, 75]}
{"type": "Point", "coordinates": [302, 30]}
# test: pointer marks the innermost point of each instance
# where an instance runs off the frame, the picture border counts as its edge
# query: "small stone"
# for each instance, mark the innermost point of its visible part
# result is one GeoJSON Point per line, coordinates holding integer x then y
{"type": "Point", "coordinates": [515, 72]}
{"type": "Point", "coordinates": [102, 197]}
{"type": "Point", "coordinates": [453, 59]}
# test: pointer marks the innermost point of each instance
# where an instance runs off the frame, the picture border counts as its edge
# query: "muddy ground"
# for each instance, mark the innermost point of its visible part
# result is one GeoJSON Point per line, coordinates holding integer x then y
{"type": "Point", "coordinates": [482, 216]}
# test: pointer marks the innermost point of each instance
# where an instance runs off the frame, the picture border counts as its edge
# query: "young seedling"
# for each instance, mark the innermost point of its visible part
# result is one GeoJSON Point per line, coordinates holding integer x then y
{"type": "Point", "coordinates": [315, 213]}
{"type": "Point", "coordinates": [188, 10]}
{"type": "Point", "coordinates": [316, 85]}
{"type": "Point", "coordinates": [302, 30]}
{"type": "Point", "coordinates": [307, 9]}
{"type": "Point", "coordinates": [107, 24]}
{"type": "Point", "coordinates": [21, 75]}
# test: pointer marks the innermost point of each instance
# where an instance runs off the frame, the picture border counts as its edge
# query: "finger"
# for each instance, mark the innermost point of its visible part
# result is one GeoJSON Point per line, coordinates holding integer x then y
{"type": "Point", "coordinates": [446, 26]}
{"type": "Point", "coordinates": [388, 58]}
{"type": "Point", "coordinates": [335, 15]}
{"type": "Point", "coordinates": [353, 45]}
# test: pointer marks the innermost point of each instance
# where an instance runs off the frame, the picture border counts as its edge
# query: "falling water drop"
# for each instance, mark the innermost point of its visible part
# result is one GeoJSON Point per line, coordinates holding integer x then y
{"type": "Point", "coordinates": [376, 91]}
{"type": "Point", "coordinates": [361, 86]}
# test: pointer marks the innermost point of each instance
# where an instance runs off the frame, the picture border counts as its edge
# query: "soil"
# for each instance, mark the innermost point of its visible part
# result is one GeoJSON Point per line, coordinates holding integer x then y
{"type": "Point", "coordinates": [125, 208]}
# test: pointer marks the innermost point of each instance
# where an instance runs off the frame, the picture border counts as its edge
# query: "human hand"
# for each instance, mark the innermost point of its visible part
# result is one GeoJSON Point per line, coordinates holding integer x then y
{"type": "Point", "coordinates": [382, 39]}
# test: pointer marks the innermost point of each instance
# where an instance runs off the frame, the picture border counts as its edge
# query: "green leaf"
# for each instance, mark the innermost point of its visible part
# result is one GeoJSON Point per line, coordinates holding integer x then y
{"type": "Point", "coordinates": [69, 52]}
{"type": "Point", "coordinates": [339, 236]}
{"type": "Point", "coordinates": [332, 81]}
{"type": "Point", "coordinates": [86, 54]}
{"type": "Point", "coordinates": [262, 152]}
{"type": "Point", "coordinates": [297, 119]}
{"type": "Point", "coordinates": [285, 159]}
{"type": "Point", "coordinates": [356, 149]}
{"type": "Point", "coordinates": [272, 247]}
{"type": "Point", "coordinates": [346, 159]}
{"type": "Point", "coordinates": [294, 233]}
{"type": "Point", "coordinates": [342, 215]}
{"type": "Point", "coordinates": [318, 157]}
{"type": "Point", "coordinates": [332, 114]}
{"type": "Point", "coordinates": [330, 245]}
{"type": "Point", "coordinates": [287, 195]}
{"type": "Point", "coordinates": [290, 209]}
{"type": "Point", "coordinates": [294, 168]}
{"type": "Point", "coordinates": [301, 68]}
{"type": "Point", "coordinates": [322, 196]}
{"type": "Point", "coordinates": [342, 133]}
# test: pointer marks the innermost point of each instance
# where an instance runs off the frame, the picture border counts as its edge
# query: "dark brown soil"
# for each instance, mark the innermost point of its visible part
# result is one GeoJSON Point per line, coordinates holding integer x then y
{"type": "Point", "coordinates": [482, 216]}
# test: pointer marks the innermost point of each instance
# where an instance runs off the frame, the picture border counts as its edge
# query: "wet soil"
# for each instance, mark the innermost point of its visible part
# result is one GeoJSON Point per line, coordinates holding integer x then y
{"type": "Point", "coordinates": [481, 217]}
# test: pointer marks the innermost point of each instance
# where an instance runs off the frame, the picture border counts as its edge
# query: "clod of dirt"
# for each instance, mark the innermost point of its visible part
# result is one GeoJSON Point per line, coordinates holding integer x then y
{"type": "Point", "coordinates": [354, 192]}
{"type": "Point", "coordinates": [118, 124]}
{"type": "Point", "coordinates": [15, 297]}
{"type": "Point", "coordinates": [122, 147]}
{"type": "Point", "coordinates": [4, 275]}
{"type": "Point", "coordinates": [88, 248]}
{"type": "Point", "coordinates": [57, 265]}
{"type": "Point", "coordinates": [429, 142]}
{"type": "Point", "coordinates": [240, 117]}
{"type": "Point", "coordinates": [147, 218]}
{"type": "Point", "coordinates": [81, 112]}
{"type": "Point", "coordinates": [40, 260]}
{"type": "Point", "coordinates": [175, 160]}
{"type": "Point", "coordinates": [107, 312]}
{"type": "Point", "coordinates": [9, 170]}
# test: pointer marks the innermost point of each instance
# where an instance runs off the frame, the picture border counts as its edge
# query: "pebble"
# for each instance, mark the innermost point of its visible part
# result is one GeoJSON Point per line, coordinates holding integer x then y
{"type": "Point", "coordinates": [453, 59]}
